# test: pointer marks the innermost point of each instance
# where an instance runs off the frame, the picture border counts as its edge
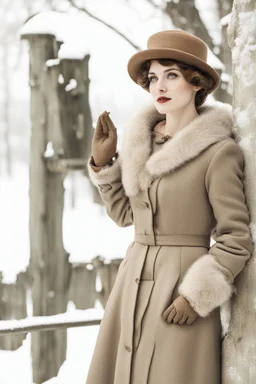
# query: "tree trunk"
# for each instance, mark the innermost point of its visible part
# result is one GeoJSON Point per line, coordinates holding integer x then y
{"type": "Point", "coordinates": [185, 15]}
{"type": "Point", "coordinates": [239, 346]}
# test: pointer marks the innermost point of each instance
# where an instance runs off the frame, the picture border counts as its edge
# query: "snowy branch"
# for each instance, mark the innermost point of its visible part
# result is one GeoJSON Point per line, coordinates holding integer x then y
{"type": "Point", "coordinates": [185, 15]}
{"type": "Point", "coordinates": [72, 2]}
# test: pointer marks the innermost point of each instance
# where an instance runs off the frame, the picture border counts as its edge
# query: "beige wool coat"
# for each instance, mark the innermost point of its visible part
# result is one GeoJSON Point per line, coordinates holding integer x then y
{"type": "Point", "coordinates": [177, 198]}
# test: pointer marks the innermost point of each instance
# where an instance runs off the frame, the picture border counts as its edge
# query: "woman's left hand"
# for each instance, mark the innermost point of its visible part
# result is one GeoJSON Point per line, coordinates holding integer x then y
{"type": "Point", "coordinates": [180, 311]}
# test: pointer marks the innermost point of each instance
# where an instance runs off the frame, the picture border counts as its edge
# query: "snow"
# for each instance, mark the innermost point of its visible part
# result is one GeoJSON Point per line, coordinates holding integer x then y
{"type": "Point", "coordinates": [226, 77]}
{"type": "Point", "coordinates": [61, 79]}
{"type": "Point", "coordinates": [242, 117]}
{"type": "Point", "coordinates": [71, 85]}
{"type": "Point", "coordinates": [79, 234]}
{"type": "Point", "coordinates": [225, 20]}
{"type": "Point", "coordinates": [234, 376]}
{"type": "Point", "coordinates": [75, 28]}
{"type": "Point", "coordinates": [14, 208]}
{"type": "Point", "coordinates": [16, 365]}
{"type": "Point", "coordinates": [73, 51]}
{"type": "Point", "coordinates": [214, 61]}
{"type": "Point", "coordinates": [75, 316]}
{"type": "Point", "coordinates": [245, 48]}
{"type": "Point", "coordinates": [52, 62]}
{"type": "Point", "coordinates": [253, 232]}
{"type": "Point", "coordinates": [49, 152]}
{"type": "Point", "coordinates": [52, 23]}
{"type": "Point", "coordinates": [208, 11]}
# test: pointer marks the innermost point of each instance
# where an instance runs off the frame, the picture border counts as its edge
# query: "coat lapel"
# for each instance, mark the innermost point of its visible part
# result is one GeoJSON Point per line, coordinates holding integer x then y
{"type": "Point", "coordinates": [140, 167]}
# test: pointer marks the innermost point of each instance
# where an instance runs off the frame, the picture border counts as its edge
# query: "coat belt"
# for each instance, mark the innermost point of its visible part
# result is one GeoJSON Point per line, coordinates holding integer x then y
{"type": "Point", "coordinates": [182, 240]}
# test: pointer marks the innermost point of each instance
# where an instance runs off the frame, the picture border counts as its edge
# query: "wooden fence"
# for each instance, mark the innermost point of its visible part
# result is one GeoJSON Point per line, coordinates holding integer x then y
{"type": "Point", "coordinates": [45, 323]}
{"type": "Point", "coordinates": [82, 292]}
{"type": "Point", "coordinates": [60, 143]}
{"type": "Point", "coordinates": [61, 135]}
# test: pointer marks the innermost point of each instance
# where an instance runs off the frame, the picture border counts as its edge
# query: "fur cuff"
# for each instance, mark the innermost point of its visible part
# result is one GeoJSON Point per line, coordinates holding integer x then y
{"type": "Point", "coordinates": [206, 285]}
{"type": "Point", "coordinates": [107, 175]}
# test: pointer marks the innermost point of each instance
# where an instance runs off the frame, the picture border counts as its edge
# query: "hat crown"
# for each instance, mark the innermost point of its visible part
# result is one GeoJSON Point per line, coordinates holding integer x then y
{"type": "Point", "coordinates": [178, 40]}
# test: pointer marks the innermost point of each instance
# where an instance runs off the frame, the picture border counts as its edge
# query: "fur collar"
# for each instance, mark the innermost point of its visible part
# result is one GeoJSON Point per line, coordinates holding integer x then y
{"type": "Point", "coordinates": [140, 167]}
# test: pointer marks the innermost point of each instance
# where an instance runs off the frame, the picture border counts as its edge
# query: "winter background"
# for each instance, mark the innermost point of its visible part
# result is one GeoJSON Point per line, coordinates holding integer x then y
{"type": "Point", "coordinates": [110, 89]}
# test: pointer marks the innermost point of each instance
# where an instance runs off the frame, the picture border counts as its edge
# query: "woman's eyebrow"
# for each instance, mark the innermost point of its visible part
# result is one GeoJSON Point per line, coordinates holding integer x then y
{"type": "Point", "coordinates": [167, 70]}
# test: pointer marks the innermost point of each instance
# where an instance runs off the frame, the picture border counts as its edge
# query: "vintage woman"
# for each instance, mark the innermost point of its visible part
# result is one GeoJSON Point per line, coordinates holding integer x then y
{"type": "Point", "coordinates": [178, 178]}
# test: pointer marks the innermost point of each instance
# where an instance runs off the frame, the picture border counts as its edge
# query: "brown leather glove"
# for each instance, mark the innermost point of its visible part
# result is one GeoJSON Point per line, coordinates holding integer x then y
{"type": "Point", "coordinates": [180, 311]}
{"type": "Point", "coordinates": [104, 142]}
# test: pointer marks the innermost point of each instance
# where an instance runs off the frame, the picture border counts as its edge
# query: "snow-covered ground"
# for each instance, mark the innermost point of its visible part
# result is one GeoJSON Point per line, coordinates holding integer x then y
{"type": "Point", "coordinates": [81, 343]}
{"type": "Point", "coordinates": [16, 365]}
{"type": "Point", "coordinates": [79, 232]}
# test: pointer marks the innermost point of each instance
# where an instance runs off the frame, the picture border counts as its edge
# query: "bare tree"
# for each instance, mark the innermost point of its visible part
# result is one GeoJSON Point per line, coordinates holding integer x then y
{"type": "Point", "coordinates": [85, 10]}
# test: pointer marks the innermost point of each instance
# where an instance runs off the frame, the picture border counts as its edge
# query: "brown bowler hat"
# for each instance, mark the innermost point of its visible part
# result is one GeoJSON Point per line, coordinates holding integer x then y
{"type": "Point", "coordinates": [177, 45]}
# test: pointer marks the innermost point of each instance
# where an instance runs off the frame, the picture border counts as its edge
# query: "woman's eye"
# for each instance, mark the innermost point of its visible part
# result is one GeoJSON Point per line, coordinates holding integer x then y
{"type": "Point", "coordinates": [172, 74]}
{"type": "Point", "coordinates": [151, 78]}
{"type": "Point", "coordinates": [169, 75]}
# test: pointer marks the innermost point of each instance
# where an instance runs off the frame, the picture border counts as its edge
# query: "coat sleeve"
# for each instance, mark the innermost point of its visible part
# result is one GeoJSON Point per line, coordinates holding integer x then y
{"type": "Point", "coordinates": [209, 282]}
{"type": "Point", "coordinates": [109, 183]}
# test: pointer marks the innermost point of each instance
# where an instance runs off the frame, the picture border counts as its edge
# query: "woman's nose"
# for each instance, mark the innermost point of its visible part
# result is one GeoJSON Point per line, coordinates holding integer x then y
{"type": "Point", "coordinates": [161, 86]}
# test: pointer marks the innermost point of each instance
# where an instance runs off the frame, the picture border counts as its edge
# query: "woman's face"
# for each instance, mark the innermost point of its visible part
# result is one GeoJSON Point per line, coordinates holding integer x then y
{"type": "Point", "coordinates": [170, 83]}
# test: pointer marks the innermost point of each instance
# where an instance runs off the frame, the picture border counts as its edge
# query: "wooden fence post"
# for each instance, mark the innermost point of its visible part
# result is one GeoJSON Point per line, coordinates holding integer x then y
{"type": "Point", "coordinates": [49, 266]}
{"type": "Point", "coordinates": [60, 142]}
{"type": "Point", "coordinates": [82, 285]}
{"type": "Point", "coordinates": [107, 272]}
{"type": "Point", "coordinates": [13, 304]}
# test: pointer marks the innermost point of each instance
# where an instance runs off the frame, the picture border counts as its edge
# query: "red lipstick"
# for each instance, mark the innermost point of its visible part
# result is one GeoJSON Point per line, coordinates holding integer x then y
{"type": "Point", "coordinates": [163, 99]}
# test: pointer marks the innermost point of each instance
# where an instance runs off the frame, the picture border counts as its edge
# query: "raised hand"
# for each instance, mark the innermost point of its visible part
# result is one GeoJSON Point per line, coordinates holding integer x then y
{"type": "Point", "coordinates": [180, 312]}
{"type": "Point", "coordinates": [104, 142]}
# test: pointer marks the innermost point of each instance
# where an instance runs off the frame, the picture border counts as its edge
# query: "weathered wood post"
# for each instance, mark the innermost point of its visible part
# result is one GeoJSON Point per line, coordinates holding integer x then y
{"type": "Point", "coordinates": [49, 266]}
{"type": "Point", "coordinates": [82, 286]}
{"type": "Point", "coordinates": [239, 346]}
{"type": "Point", "coordinates": [13, 304]}
{"type": "Point", "coordinates": [107, 272]}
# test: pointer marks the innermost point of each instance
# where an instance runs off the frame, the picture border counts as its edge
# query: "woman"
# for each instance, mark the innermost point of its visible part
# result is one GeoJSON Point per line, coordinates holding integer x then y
{"type": "Point", "coordinates": [179, 179]}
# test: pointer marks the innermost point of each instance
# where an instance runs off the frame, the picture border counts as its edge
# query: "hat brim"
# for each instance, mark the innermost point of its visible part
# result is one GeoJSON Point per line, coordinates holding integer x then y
{"type": "Point", "coordinates": [136, 61]}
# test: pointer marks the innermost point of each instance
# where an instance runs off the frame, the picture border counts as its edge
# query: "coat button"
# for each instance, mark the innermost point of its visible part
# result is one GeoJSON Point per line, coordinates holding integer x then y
{"type": "Point", "coordinates": [128, 348]}
{"type": "Point", "coordinates": [137, 280]}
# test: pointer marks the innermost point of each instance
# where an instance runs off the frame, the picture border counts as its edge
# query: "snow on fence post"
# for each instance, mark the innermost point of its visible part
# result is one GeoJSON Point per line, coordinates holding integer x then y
{"type": "Point", "coordinates": [239, 345]}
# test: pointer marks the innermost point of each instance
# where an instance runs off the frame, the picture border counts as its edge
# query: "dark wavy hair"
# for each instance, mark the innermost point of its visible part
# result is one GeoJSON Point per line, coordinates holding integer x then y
{"type": "Point", "coordinates": [192, 75]}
